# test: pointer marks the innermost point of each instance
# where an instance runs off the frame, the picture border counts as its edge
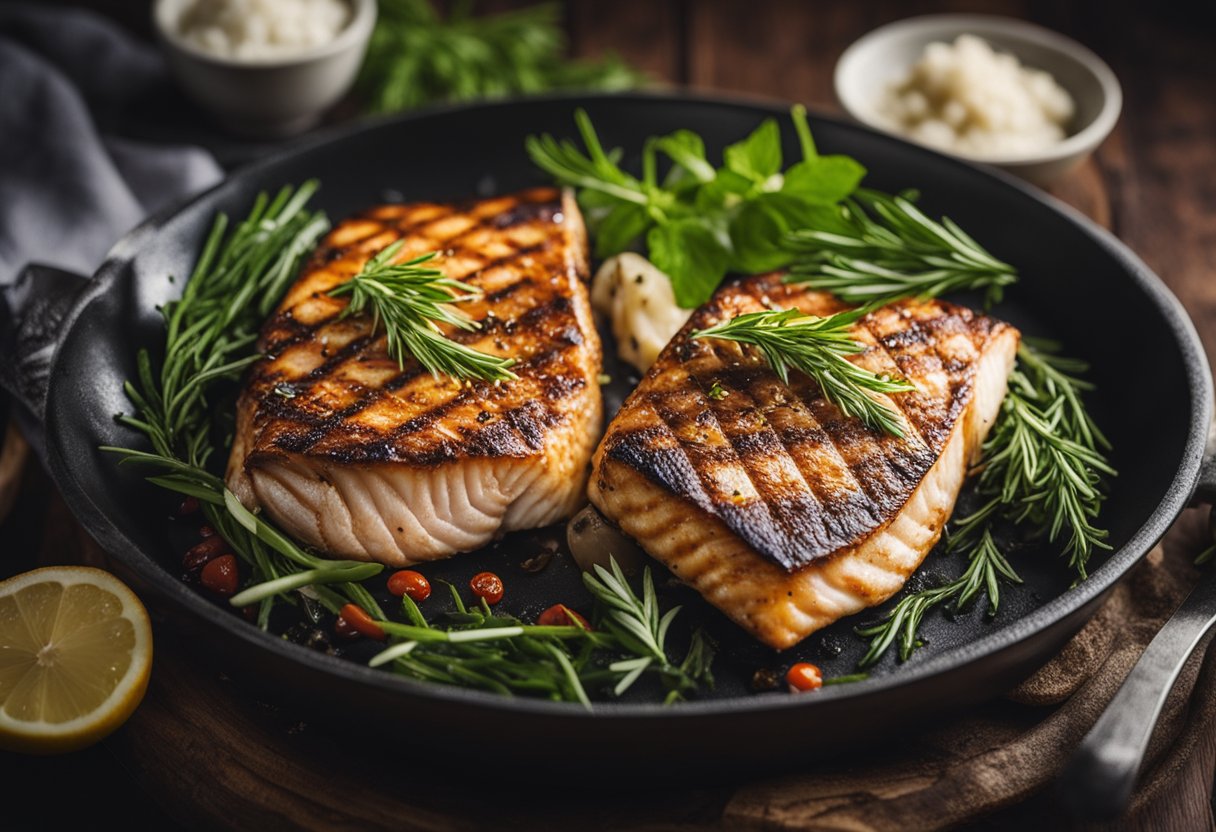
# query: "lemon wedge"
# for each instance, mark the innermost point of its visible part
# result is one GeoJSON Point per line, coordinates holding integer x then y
{"type": "Point", "coordinates": [75, 653]}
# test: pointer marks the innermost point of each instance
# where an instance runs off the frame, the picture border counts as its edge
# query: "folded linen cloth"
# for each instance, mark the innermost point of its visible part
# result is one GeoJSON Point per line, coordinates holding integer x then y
{"type": "Point", "coordinates": [69, 186]}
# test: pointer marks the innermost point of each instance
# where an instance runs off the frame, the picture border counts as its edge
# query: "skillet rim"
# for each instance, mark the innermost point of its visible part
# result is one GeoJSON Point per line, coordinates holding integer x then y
{"type": "Point", "coordinates": [1062, 606]}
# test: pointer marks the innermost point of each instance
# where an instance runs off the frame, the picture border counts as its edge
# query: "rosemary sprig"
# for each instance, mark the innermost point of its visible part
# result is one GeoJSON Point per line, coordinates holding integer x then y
{"type": "Point", "coordinates": [818, 347]}
{"type": "Point", "coordinates": [476, 647]}
{"type": "Point", "coordinates": [1043, 463]}
{"type": "Point", "coordinates": [985, 567]}
{"type": "Point", "coordinates": [210, 334]}
{"type": "Point", "coordinates": [410, 300]}
{"type": "Point", "coordinates": [889, 249]}
{"type": "Point", "coordinates": [1041, 470]}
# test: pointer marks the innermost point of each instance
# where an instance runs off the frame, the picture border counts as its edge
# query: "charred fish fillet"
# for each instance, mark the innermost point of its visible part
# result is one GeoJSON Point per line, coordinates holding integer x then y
{"type": "Point", "coordinates": [363, 459]}
{"type": "Point", "coordinates": [781, 511]}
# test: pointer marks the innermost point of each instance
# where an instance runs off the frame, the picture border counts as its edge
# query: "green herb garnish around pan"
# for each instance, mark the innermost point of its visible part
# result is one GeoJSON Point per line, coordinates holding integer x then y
{"type": "Point", "coordinates": [889, 249]}
{"type": "Point", "coordinates": [474, 647]}
{"type": "Point", "coordinates": [1041, 471]}
{"type": "Point", "coordinates": [210, 335]}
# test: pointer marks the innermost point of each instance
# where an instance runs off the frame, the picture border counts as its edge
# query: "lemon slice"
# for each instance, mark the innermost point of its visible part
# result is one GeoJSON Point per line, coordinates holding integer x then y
{"type": "Point", "coordinates": [75, 652]}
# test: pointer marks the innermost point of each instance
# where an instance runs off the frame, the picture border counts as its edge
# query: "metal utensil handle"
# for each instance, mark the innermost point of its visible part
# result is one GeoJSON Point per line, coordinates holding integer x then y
{"type": "Point", "coordinates": [1097, 781]}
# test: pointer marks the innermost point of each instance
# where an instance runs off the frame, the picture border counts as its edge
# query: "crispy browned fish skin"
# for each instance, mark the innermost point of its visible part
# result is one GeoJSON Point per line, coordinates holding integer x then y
{"type": "Point", "coordinates": [362, 459]}
{"type": "Point", "coordinates": [781, 511]}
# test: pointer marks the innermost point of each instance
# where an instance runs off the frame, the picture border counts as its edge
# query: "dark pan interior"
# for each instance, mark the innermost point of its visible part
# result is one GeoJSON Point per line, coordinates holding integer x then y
{"type": "Point", "coordinates": [1078, 286]}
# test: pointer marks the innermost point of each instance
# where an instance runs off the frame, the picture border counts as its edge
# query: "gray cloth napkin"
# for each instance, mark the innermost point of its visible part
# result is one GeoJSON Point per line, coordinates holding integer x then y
{"type": "Point", "coordinates": [71, 184]}
{"type": "Point", "coordinates": [69, 187]}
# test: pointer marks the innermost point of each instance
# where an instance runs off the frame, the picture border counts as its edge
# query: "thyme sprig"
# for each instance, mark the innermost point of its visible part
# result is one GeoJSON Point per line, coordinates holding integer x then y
{"type": "Point", "coordinates": [820, 348]}
{"type": "Point", "coordinates": [409, 301]}
{"type": "Point", "coordinates": [889, 249]}
{"type": "Point", "coordinates": [472, 646]}
{"type": "Point", "coordinates": [210, 335]}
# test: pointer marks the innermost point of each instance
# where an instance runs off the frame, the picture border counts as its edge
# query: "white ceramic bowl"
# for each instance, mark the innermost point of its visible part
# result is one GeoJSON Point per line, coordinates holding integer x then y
{"type": "Point", "coordinates": [267, 98]}
{"type": "Point", "coordinates": [884, 56]}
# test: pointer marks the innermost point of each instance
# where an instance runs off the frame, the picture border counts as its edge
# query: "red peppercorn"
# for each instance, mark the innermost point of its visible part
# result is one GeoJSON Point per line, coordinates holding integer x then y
{"type": "Point", "coordinates": [804, 676]}
{"type": "Point", "coordinates": [202, 553]}
{"type": "Point", "coordinates": [189, 506]}
{"type": "Point", "coordinates": [205, 531]}
{"type": "Point", "coordinates": [343, 629]}
{"type": "Point", "coordinates": [487, 585]}
{"type": "Point", "coordinates": [559, 615]}
{"type": "Point", "coordinates": [221, 575]}
{"type": "Point", "coordinates": [361, 622]}
{"type": "Point", "coordinates": [411, 583]}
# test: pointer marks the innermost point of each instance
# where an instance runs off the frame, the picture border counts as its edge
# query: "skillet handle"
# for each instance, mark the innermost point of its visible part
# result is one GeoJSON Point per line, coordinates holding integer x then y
{"type": "Point", "coordinates": [32, 308]}
{"type": "Point", "coordinates": [1097, 781]}
{"type": "Point", "coordinates": [1205, 489]}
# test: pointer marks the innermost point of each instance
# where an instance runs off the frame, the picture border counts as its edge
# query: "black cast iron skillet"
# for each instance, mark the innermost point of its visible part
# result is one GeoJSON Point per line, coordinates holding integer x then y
{"type": "Point", "coordinates": [1079, 285]}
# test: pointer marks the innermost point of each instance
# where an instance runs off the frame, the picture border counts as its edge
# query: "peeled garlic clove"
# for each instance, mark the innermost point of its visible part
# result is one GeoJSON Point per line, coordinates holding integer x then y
{"type": "Point", "coordinates": [593, 540]}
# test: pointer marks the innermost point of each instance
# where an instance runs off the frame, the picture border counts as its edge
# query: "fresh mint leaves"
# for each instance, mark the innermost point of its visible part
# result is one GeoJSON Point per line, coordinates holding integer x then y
{"type": "Point", "coordinates": [701, 222]}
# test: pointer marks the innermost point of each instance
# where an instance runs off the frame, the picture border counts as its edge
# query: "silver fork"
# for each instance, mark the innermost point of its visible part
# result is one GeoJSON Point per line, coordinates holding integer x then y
{"type": "Point", "coordinates": [1098, 779]}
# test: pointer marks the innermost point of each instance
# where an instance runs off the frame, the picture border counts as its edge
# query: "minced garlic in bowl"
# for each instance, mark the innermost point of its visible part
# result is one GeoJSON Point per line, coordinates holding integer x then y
{"type": "Point", "coordinates": [967, 98]}
{"type": "Point", "coordinates": [262, 30]}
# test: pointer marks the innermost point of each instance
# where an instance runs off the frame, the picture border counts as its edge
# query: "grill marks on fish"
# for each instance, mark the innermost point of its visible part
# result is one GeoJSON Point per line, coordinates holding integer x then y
{"type": "Point", "coordinates": [782, 466]}
{"type": "Point", "coordinates": [353, 408]}
{"type": "Point", "coordinates": [772, 487]}
{"type": "Point", "coordinates": [342, 401]}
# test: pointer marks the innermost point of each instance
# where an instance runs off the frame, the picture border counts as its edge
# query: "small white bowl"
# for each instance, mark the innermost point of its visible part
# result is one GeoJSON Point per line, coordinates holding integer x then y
{"type": "Point", "coordinates": [267, 98]}
{"type": "Point", "coordinates": [884, 56]}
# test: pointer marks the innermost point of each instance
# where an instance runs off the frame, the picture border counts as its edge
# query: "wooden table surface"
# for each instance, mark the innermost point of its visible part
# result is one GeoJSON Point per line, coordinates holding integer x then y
{"type": "Point", "coordinates": [1153, 183]}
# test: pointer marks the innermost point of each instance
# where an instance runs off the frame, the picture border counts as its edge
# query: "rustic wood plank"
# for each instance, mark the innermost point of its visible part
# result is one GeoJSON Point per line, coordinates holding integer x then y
{"type": "Point", "coordinates": [13, 455]}
{"type": "Point", "coordinates": [214, 757]}
{"type": "Point", "coordinates": [648, 35]}
{"type": "Point", "coordinates": [1160, 163]}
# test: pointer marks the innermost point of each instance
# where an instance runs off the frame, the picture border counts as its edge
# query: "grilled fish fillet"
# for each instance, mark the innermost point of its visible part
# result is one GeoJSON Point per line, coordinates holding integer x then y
{"type": "Point", "coordinates": [364, 460]}
{"type": "Point", "coordinates": [781, 511]}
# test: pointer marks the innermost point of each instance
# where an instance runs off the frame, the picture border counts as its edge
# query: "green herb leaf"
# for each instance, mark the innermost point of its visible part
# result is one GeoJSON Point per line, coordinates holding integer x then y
{"type": "Point", "coordinates": [687, 150]}
{"type": "Point", "coordinates": [823, 180]}
{"type": "Point", "coordinates": [699, 222]}
{"type": "Point", "coordinates": [1043, 462]}
{"type": "Point", "coordinates": [692, 256]}
{"type": "Point", "coordinates": [760, 226]}
{"type": "Point", "coordinates": [624, 223]}
{"type": "Point", "coordinates": [758, 157]}
{"type": "Point", "coordinates": [902, 625]}
{"type": "Point", "coordinates": [475, 647]}
{"type": "Point", "coordinates": [1041, 470]}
